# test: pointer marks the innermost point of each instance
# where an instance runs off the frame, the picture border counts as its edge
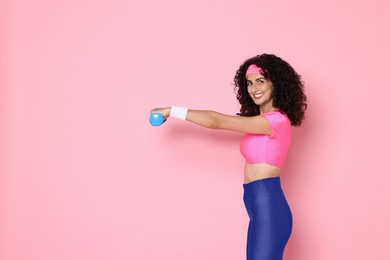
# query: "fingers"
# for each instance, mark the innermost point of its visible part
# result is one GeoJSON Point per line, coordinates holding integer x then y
{"type": "Point", "coordinates": [163, 111]}
{"type": "Point", "coordinates": [155, 110]}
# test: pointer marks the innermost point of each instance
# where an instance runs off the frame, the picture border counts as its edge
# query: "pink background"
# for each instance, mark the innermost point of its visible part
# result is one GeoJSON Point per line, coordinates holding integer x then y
{"type": "Point", "coordinates": [84, 175]}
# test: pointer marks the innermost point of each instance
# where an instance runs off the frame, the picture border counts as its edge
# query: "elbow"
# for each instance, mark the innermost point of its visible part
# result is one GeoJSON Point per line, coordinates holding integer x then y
{"type": "Point", "coordinates": [215, 124]}
{"type": "Point", "coordinates": [210, 120]}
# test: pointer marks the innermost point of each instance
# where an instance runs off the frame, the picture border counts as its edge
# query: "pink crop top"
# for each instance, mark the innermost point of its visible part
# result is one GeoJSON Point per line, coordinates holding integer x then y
{"type": "Point", "coordinates": [271, 149]}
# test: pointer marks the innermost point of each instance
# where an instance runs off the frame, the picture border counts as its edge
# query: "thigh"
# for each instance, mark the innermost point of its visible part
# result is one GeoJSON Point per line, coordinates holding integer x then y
{"type": "Point", "coordinates": [271, 226]}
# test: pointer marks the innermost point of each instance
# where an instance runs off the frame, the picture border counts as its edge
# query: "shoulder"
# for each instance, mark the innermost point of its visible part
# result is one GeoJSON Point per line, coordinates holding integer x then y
{"type": "Point", "coordinates": [278, 121]}
{"type": "Point", "coordinates": [276, 116]}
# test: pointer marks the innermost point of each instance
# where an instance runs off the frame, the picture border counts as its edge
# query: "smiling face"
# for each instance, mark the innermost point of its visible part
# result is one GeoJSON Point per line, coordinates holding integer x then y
{"type": "Point", "coordinates": [260, 90]}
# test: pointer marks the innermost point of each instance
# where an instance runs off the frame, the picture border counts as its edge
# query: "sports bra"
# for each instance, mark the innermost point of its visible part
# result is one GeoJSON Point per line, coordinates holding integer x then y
{"type": "Point", "coordinates": [270, 149]}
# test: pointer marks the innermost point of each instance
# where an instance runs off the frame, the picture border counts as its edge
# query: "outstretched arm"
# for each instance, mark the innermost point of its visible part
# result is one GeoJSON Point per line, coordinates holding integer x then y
{"type": "Point", "coordinates": [215, 120]}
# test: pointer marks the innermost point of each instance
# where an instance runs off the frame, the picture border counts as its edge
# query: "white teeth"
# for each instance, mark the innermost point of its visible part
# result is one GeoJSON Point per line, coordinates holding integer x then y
{"type": "Point", "coordinates": [257, 95]}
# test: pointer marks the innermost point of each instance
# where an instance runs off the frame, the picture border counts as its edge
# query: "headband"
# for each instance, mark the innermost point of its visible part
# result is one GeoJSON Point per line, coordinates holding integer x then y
{"type": "Point", "coordinates": [253, 69]}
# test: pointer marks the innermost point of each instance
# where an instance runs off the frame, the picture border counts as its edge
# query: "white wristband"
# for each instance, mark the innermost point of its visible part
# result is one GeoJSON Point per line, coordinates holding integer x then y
{"type": "Point", "coordinates": [179, 112]}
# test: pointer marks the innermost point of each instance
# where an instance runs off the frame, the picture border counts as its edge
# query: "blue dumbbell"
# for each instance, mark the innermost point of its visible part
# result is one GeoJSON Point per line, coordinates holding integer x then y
{"type": "Point", "coordinates": [156, 119]}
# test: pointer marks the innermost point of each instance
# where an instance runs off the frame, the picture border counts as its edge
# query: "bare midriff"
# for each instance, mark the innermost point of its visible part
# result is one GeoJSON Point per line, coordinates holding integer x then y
{"type": "Point", "coordinates": [258, 171]}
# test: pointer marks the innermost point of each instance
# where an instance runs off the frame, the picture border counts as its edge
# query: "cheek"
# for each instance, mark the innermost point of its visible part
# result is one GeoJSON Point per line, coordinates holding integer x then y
{"type": "Point", "coordinates": [270, 89]}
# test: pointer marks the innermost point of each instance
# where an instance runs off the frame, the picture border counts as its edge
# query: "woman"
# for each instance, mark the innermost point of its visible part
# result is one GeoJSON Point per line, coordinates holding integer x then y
{"type": "Point", "coordinates": [272, 100]}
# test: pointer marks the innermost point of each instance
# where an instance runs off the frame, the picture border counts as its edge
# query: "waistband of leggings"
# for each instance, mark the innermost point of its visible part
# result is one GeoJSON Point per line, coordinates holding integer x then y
{"type": "Point", "coordinates": [263, 185]}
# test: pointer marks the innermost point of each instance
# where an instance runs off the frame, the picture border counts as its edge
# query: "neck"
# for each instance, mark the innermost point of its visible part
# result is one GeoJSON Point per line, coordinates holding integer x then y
{"type": "Point", "coordinates": [268, 107]}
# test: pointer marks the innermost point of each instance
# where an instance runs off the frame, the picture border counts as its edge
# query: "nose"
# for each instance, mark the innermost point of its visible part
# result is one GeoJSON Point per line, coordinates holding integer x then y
{"type": "Point", "coordinates": [255, 87]}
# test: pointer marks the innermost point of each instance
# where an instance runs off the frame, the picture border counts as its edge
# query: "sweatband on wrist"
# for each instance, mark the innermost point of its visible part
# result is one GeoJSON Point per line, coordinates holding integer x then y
{"type": "Point", "coordinates": [179, 112]}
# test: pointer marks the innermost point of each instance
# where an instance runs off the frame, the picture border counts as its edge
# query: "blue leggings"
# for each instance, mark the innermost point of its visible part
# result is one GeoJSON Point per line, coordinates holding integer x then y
{"type": "Point", "coordinates": [270, 217]}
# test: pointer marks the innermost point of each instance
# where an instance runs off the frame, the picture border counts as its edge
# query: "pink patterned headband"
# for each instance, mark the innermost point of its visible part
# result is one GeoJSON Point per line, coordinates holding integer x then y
{"type": "Point", "coordinates": [253, 69]}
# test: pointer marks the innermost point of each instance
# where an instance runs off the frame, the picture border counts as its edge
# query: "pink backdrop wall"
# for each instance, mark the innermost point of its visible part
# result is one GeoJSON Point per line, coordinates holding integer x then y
{"type": "Point", "coordinates": [84, 175]}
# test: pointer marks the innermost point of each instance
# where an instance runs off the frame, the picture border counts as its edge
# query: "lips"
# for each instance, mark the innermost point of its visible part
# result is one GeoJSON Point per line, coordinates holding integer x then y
{"type": "Point", "coordinates": [258, 95]}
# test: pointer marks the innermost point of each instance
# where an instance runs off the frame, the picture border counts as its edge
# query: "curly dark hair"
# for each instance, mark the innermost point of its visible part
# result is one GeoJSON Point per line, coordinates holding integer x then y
{"type": "Point", "coordinates": [288, 88]}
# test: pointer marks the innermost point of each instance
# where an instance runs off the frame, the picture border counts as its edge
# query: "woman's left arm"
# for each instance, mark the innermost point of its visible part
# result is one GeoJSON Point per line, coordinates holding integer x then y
{"type": "Point", "coordinates": [215, 120]}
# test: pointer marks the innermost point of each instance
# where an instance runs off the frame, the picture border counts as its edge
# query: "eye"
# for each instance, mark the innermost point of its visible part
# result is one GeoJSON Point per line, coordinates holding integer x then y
{"type": "Point", "coordinates": [248, 83]}
{"type": "Point", "coordinates": [260, 81]}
